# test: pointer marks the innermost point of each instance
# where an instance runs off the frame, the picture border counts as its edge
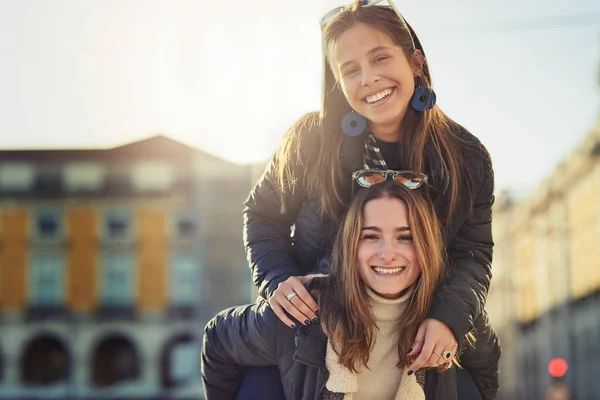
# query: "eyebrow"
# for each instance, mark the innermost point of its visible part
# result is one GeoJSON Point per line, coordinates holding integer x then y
{"type": "Point", "coordinates": [377, 229]}
{"type": "Point", "coordinates": [373, 50]}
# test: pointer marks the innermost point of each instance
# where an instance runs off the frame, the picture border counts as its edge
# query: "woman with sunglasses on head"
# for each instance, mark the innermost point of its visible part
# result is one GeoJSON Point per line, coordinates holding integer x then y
{"type": "Point", "coordinates": [378, 112]}
{"type": "Point", "coordinates": [386, 262]}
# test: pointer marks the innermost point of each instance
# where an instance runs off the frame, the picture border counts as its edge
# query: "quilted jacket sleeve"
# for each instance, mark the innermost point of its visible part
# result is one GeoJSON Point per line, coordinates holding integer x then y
{"type": "Point", "coordinates": [267, 233]}
{"type": "Point", "coordinates": [237, 337]}
{"type": "Point", "coordinates": [461, 297]}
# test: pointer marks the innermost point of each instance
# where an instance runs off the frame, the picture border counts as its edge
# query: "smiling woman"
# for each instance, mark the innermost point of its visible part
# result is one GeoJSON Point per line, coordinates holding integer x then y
{"type": "Point", "coordinates": [387, 258]}
{"type": "Point", "coordinates": [370, 316]}
{"type": "Point", "coordinates": [376, 77]}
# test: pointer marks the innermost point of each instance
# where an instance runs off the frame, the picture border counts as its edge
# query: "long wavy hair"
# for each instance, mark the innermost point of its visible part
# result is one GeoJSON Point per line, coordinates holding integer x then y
{"type": "Point", "coordinates": [313, 144]}
{"type": "Point", "coordinates": [345, 313]}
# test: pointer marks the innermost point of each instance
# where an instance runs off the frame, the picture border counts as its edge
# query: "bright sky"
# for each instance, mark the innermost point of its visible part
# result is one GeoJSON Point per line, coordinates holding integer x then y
{"type": "Point", "coordinates": [231, 76]}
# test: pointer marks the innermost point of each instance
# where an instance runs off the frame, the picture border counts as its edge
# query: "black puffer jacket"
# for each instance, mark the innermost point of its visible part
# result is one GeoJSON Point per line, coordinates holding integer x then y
{"type": "Point", "coordinates": [275, 253]}
{"type": "Point", "coordinates": [252, 335]}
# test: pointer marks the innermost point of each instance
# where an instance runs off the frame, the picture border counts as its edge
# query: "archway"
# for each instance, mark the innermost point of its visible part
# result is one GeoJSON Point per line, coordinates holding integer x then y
{"type": "Point", "coordinates": [115, 360]}
{"type": "Point", "coordinates": [45, 361]}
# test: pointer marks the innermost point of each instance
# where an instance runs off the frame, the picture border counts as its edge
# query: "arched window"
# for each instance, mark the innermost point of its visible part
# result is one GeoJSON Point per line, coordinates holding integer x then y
{"type": "Point", "coordinates": [115, 360]}
{"type": "Point", "coordinates": [180, 360]}
{"type": "Point", "coordinates": [45, 361]}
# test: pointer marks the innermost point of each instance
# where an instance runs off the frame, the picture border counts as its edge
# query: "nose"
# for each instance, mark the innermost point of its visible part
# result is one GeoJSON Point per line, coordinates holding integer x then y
{"type": "Point", "coordinates": [369, 76]}
{"type": "Point", "coordinates": [388, 253]}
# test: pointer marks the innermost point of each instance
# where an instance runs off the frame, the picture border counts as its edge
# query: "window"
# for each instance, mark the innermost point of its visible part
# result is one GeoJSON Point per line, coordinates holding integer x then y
{"type": "Point", "coordinates": [48, 224]}
{"type": "Point", "coordinates": [84, 176]}
{"type": "Point", "coordinates": [186, 225]}
{"type": "Point", "coordinates": [16, 176]}
{"type": "Point", "coordinates": [117, 279]}
{"type": "Point", "coordinates": [118, 225]}
{"type": "Point", "coordinates": [185, 280]}
{"type": "Point", "coordinates": [186, 229]}
{"type": "Point", "coordinates": [47, 277]}
{"type": "Point", "coordinates": [153, 175]}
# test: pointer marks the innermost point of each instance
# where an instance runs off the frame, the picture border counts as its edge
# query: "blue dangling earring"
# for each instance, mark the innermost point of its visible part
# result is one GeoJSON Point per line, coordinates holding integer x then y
{"type": "Point", "coordinates": [353, 124]}
{"type": "Point", "coordinates": [423, 98]}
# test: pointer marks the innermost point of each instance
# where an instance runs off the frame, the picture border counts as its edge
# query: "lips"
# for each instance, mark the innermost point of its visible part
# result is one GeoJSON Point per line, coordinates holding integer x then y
{"type": "Point", "coordinates": [388, 270]}
{"type": "Point", "coordinates": [377, 97]}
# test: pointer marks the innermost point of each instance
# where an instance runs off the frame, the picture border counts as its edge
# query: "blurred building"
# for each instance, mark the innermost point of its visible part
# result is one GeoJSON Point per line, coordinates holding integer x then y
{"type": "Point", "coordinates": [545, 294]}
{"type": "Point", "coordinates": [111, 262]}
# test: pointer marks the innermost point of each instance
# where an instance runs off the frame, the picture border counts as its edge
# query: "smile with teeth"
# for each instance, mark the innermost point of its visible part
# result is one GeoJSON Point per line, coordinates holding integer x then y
{"type": "Point", "coordinates": [378, 96]}
{"type": "Point", "coordinates": [387, 271]}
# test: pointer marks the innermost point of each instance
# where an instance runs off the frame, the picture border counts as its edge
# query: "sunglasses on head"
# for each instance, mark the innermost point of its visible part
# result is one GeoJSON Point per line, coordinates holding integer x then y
{"type": "Point", "coordinates": [369, 177]}
{"type": "Point", "coordinates": [367, 3]}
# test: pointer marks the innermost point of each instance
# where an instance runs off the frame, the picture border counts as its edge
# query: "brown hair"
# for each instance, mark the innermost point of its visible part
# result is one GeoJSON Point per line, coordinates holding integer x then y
{"type": "Point", "coordinates": [430, 144]}
{"type": "Point", "coordinates": [344, 303]}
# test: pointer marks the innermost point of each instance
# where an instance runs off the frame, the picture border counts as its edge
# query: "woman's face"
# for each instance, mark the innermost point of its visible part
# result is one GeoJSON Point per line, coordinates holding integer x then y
{"type": "Point", "coordinates": [387, 259]}
{"type": "Point", "coordinates": [375, 75]}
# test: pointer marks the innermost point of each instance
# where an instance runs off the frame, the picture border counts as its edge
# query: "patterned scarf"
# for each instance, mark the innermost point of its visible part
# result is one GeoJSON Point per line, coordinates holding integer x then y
{"type": "Point", "coordinates": [372, 158]}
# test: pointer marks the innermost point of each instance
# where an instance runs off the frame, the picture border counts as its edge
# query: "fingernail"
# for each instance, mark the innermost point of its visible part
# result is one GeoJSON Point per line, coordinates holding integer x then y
{"type": "Point", "coordinates": [293, 326]}
{"type": "Point", "coordinates": [409, 350]}
{"type": "Point", "coordinates": [307, 322]}
{"type": "Point", "coordinates": [315, 320]}
{"type": "Point", "coordinates": [410, 372]}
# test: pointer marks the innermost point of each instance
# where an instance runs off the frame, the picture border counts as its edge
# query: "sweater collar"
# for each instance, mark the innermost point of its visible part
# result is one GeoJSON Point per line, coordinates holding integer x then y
{"type": "Point", "coordinates": [387, 311]}
{"type": "Point", "coordinates": [311, 342]}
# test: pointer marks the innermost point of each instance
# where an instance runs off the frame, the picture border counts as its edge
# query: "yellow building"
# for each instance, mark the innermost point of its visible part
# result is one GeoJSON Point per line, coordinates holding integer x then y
{"type": "Point", "coordinates": [111, 262]}
{"type": "Point", "coordinates": [545, 294]}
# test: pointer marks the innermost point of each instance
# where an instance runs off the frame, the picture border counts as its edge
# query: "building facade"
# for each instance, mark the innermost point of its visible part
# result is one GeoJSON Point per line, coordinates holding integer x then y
{"type": "Point", "coordinates": [111, 262]}
{"type": "Point", "coordinates": [545, 294]}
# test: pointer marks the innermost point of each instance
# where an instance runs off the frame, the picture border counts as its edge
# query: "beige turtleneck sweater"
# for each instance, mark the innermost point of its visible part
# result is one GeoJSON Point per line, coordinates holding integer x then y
{"type": "Point", "coordinates": [382, 379]}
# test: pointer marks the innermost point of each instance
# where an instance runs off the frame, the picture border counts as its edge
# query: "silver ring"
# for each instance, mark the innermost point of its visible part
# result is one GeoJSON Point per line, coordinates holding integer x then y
{"type": "Point", "coordinates": [289, 296]}
{"type": "Point", "coordinates": [446, 354]}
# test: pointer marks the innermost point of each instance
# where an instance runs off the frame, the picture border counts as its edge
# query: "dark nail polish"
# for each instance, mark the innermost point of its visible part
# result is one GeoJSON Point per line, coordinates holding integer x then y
{"type": "Point", "coordinates": [315, 320]}
{"type": "Point", "coordinates": [410, 372]}
{"type": "Point", "coordinates": [293, 326]}
{"type": "Point", "coordinates": [307, 322]}
{"type": "Point", "coordinates": [409, 350]}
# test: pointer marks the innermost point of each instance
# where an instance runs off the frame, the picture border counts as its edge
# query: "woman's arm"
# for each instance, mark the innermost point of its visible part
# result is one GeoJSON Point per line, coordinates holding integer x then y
{"type": "Point", "coordinates": [267, 232]}
{"type": "Point", "coordinates": [267, 227]}
{"type": "Point", "coordinates": [461, 297]}
{"type": "Point", "coordinates": [236, 338]}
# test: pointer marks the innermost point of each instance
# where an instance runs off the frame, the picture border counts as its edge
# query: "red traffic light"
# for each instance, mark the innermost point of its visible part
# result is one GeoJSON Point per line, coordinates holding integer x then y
{"type": "Point", "coordinates": [558, 367]}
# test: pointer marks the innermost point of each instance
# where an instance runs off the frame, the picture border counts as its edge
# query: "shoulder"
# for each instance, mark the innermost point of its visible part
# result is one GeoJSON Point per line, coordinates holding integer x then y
{"type": "Point", "coordinates": [476, 154]}
{"type": "Point", "coordinates": [299, 142]}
